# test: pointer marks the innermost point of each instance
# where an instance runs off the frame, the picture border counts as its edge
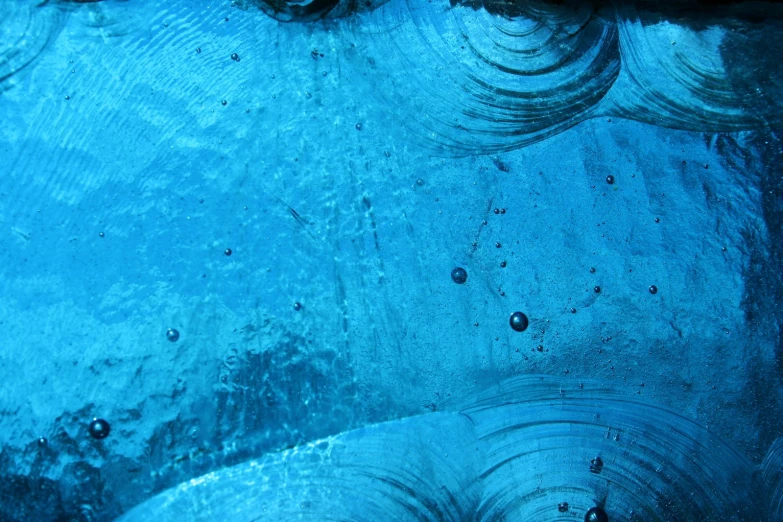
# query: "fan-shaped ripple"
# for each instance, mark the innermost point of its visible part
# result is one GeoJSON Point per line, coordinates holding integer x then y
{"type": "Point", "coordinates": [26, 26]}
{"type": "Point", "coordinates": [480, 79]}
{"type": "Point", "coordinates": [673, 75]}
{"type": "Point", "coordinates": [550, 442]}
{"type": "Point", "coordinates": [533, 448]}
{"type": "Point", "coordinates": [420, 468]}
{"type": "Point", "coordinates": [471, 81]}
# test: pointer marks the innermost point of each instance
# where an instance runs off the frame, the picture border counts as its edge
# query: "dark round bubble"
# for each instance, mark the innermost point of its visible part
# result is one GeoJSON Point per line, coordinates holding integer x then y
{"type": "Point", "coordinates": [459, 275]}
{"type": "Point", "coordinates": [172, 335]}
{"type": "Point", "coordinates": [653, 289]}
{"type": "Point", "coordinates": [42, 442]}
{"type": "Point", "coordinates": [518, 321]}
{"type": "Point", "coordinates": [99, 428]}
{"type": "Point", "coordinates": [597, 289]}
{"type": "Point", "coordinates": [610, 179]}
{"type": "Point", "coordinates": [297, 306]}
{"type": "Point", "coordinates": [228, 251]}
{"type": "Point", "coordinates": [235, 57]}
{"type": "Point", "coordinates": [596, 514]}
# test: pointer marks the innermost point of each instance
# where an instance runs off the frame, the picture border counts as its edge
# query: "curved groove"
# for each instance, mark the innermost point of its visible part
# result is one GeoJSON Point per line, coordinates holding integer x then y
{"type": "Point", "coordinates": [515, 452]}
{"type": "Point", "coordinates": [27, 27]}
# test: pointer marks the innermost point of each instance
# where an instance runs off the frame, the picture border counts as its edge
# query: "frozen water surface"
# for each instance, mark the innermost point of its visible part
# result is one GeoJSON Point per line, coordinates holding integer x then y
{"type": "Point", "coordinates": [228, 230]}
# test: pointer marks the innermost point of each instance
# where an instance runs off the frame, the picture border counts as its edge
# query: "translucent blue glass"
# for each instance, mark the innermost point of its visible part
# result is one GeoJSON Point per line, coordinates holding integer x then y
{"type": "Point", "coordinates": [391, 260]}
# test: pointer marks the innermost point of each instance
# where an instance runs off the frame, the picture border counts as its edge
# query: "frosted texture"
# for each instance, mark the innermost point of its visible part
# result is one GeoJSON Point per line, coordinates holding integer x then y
{"type": "Point", "coordinates": [517, 453]}
{"type": "Point", "coordinates": [350, 157]}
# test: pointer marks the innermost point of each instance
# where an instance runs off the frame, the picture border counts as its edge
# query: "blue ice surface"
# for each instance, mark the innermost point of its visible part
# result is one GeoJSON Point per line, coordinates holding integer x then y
{"type": "Point", "coordinates": [124, 178]}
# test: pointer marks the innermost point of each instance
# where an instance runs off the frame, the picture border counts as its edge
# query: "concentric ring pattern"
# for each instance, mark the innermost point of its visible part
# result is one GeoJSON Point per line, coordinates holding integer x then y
{"type": "Point", "coordinates": [673, 75]}
{"type": "Point", "coordinates": [26, 27]}
{"type": "Point", "coordinates": [477, 79]}
{"type": "Point", "coordinates": [507, 77]}
{"type": "Point", "coordinates": [498, 82]}
{"type": "Point", "coordinates": [550, 442]}
{"type": "Point", "coordinates": [414, 469]}
{"type": "Point", "coordinates": [532, 448]}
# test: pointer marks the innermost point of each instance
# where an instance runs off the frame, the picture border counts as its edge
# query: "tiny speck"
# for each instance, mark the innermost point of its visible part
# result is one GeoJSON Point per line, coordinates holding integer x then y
{"type": "Point", "coordinates": [67, 97]}
{"type": "Point", "coordinates": [101, 234]}
{"type": "Point", "coordinates": [224, 103]}
{"type": "Point", "coordinates": [358, 126]}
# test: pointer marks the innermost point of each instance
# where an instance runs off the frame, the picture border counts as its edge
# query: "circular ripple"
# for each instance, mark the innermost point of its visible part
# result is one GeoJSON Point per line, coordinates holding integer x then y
{"type": "Point", "coordinates": [520, 451]}
{"type": "Point", "coordinates": [499, 75]}
{"type": "Point", "coordinates": [471, 81]}
{"type": "Point", "coordinates": [25, 29]}
{"type": "Point", "coordinates": [657, 465]}
{"type": "Point", "coordinates": [673, 75]}
{"type": "Point", "coordinates": [391, 471]}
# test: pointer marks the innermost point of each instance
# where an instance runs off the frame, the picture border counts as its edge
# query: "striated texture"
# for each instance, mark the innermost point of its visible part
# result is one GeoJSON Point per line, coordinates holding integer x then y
{"type": "Point", "coordinates": [551, 441]}
{"type": "Point", "coordinates": [673, 74]}
{"type": "Point", "coordinates": [135, 148]}
{"type": "Point", "coordinates": [420, 468]}
{"type": "Point", "coordinates": [26, 27]}
{"type": "Point", "coordinates": [508, 75]}
{"type": "Point", "coordinates": [772, 475]}
{"type": "Point", "coordinates": [532, 448]}
{"type": "Point", "coordinates": [470, 81]}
